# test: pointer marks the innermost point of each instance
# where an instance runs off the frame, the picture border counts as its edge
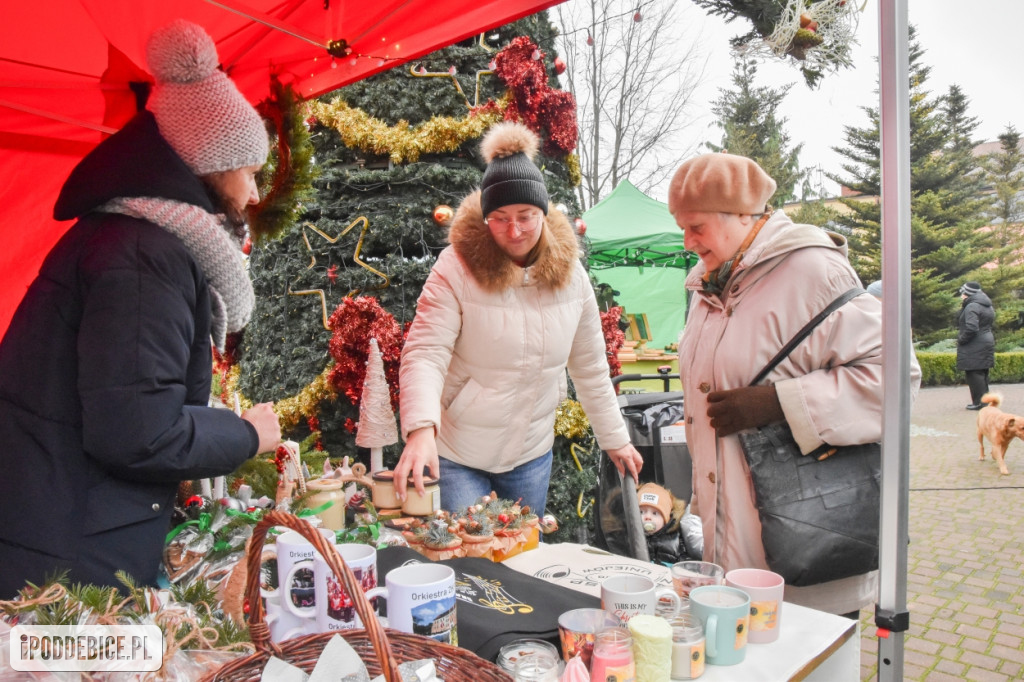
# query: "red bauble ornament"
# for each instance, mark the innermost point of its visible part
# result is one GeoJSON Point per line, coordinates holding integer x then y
{"type": "Point", "coordinates": [195, 500]}
{"type": "Point", "coordinates": [590, 40]}
{"type": "Point", "coordinates": [247, 246]}
{"type": "Point", "coordinates": [559, 65]}
{"type": "Point", "coordinates": [443, 214]}
{"type": "Point", "coordinates": [637, 17]}
{"type": "Point", "coordinates": [581, 227]}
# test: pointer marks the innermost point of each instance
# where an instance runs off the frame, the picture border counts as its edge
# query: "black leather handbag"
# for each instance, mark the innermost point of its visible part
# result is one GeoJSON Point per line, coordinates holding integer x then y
{"type": "Point", "coordinates": [819, 512]}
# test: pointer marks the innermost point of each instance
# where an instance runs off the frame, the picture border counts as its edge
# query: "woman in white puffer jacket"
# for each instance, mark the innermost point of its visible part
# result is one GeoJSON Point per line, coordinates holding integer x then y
{"type": "Point", "coordinates": [507, 308]}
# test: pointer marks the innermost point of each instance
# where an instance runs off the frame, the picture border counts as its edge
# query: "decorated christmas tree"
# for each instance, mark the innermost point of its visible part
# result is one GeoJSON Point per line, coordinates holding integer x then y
{"type": "Point", "coordinates": [393, 155]}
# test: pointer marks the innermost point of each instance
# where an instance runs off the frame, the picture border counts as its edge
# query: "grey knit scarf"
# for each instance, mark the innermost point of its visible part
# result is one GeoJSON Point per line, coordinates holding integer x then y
{"type": "Point", "coordinates": [208, 240]}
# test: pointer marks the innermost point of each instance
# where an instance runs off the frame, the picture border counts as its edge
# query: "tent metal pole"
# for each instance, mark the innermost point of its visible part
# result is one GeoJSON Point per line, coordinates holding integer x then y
{"type": "Point", "coordinates": [891, 614]}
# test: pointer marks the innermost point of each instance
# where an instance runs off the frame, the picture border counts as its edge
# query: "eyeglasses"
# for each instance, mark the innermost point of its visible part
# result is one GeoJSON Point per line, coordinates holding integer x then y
{"type": "Point", "coordinates": [524, 223]}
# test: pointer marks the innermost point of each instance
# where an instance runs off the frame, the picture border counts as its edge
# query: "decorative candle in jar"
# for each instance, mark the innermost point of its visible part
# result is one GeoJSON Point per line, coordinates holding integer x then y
{"type": "Point", "coordinates": [612, 660]}
{"type": "Point", "coordinates": [384, 496]}
{"type": "Point", "coordinates": [687, 647]}
{"type": "Point", "coordinates": [327, 490]}
{"type": "Point", "coordinates": [513, 651]}
{"type": "Point", "coordinates": [425, 504]}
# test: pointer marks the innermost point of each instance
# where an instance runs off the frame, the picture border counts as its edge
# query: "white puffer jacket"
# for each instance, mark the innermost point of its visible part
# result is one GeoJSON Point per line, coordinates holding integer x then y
{"type": "Point", "coordinates": [485, 360]}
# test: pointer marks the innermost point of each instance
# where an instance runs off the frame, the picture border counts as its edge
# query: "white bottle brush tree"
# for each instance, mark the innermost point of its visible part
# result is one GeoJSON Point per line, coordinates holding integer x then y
{"type": "Point", "coordinates": [377, 426]}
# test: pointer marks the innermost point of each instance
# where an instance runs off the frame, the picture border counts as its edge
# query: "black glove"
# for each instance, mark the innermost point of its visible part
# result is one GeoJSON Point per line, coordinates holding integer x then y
{"type": "Point", "coordinates": [743, 408]}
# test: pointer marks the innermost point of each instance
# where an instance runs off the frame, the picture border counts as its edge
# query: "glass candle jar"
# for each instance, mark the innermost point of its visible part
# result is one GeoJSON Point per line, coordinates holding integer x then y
{"type": "Point", "coordinates": [687, 647]}
{"type": "Point", "coordinates": [540, 666]}
{"type": "Point", "coordinates": [384, 496]}
{"type": "Point", "coordinates": [425, 504]}
{"type": "Point", "coordinates": [509, 654]}
{"type": "Point", "coordinates": [326, 490]}
{"type": "Point", "coordinates": [612, 660]}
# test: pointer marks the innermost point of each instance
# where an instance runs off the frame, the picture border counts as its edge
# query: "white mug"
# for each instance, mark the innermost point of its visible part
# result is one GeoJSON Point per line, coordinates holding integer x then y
{"type": "Point", "coordinates": [421, 601]}
{"type": "Point", "coordinates": [284, 625]}
{"type": "Point", "coordinates": [295, 571]}
{"type": "Point", "coordinates": [630, 595]}
{"type": "Point", "coordinates": [335, 608]}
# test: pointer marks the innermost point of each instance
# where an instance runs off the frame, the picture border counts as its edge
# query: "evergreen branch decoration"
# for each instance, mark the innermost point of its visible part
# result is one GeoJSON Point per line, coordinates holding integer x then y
{"type": "Point", "coordinates": [818, 34]}
{"type": "Point", "coordinates": [292, 178]}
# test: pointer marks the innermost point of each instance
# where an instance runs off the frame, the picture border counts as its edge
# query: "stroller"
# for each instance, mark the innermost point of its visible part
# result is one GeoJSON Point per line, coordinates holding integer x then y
{"type": "Point", "coordinates": [655, 424]}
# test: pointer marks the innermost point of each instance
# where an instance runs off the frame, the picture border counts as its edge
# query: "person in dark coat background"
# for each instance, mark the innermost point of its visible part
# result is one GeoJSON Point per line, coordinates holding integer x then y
{"type": "Point", "coordinates": [105, 369]}
{"type": "Point", "coordinates": [975, 343]}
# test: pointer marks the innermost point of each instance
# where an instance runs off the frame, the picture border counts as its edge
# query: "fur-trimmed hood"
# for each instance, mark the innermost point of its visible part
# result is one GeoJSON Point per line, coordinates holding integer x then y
{"type": "Point", "coordinates": [552, 260]}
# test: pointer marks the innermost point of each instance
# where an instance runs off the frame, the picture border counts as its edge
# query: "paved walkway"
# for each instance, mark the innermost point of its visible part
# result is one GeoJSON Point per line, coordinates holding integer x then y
{"type": "Point", "coordinates": [965, 582]}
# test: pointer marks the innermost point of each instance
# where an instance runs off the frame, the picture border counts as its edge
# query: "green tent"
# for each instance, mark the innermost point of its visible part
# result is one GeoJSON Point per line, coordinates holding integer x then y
{"type": "Point", "coordinates": [637, 249]}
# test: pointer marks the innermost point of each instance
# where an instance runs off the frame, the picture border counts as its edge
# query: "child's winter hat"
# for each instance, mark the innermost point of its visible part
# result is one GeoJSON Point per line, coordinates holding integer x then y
{"type": "Point", "coordinates": [511, 176]}
{"type": "Point", "coordinates": [198, 109]}
{"type": "Point", "coordinates": [653, 495]}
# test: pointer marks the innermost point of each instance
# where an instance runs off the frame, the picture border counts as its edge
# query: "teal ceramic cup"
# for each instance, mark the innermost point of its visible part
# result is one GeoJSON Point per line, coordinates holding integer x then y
{"type": "Point", "coordinates": [725, 613]}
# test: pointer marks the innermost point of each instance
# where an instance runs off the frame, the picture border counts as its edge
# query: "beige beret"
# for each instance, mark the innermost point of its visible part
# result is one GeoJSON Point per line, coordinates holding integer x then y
{"type": "Point", "coordinates": [720, 183]}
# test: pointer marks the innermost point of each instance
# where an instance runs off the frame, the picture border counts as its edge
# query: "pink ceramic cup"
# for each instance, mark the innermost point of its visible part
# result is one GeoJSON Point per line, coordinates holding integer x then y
{"type": "Point", "coordinates": [765, 589]}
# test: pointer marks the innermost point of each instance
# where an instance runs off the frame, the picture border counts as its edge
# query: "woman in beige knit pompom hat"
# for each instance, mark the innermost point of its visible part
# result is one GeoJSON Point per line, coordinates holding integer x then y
{"type": "Point", "coordinates": [105, 369]}
{"type": "Point", "coordinates": [507, 308]}
{"type": "Point", "coordinates": [761, 277]}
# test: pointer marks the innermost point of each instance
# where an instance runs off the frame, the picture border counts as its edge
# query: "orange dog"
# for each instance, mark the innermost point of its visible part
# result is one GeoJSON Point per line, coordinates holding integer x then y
{"type": "Point", "coordinates": [999, 427]}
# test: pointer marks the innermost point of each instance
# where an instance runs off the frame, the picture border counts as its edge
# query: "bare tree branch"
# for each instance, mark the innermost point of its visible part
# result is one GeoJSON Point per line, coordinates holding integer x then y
{"type": "Point", "coordinates": [633, 81]}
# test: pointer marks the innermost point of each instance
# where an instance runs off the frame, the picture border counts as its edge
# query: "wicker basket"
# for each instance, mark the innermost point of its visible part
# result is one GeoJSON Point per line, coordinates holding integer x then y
{"type": "Point", "coordinates": [381, 650]}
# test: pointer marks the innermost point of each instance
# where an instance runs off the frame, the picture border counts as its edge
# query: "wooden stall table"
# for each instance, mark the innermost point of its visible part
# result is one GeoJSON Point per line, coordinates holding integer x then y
{"type": "Point", "coordinates": [812, 645]}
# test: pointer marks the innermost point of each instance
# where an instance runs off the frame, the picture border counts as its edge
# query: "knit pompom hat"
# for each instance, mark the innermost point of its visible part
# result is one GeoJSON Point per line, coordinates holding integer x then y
{"type": "Point", "coordinates": [198, 109]}
{"type": "Point", "coordinates": [970, 288]}
{"type": "Point", "coordinates": [511, 176]}
{"type": "Point", "coordinates": [720, 183]}
{"type": "Point", "coordinates": [653, 495]}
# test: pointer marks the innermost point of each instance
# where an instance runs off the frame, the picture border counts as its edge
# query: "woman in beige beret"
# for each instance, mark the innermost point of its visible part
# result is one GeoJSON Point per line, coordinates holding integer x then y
{"type": "Point", "coordinates": [761, 277]}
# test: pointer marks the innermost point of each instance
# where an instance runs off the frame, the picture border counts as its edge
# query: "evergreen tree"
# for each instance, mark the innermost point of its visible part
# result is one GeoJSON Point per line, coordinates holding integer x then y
{"type": "Point", "coordinates": [395, 184]}
{"type": "Point", "coordinates": [1004, 171]}
{"type": "Point", "coordinates": [948, 245]}
{"type": "Point", "coordinates": [747, 116]}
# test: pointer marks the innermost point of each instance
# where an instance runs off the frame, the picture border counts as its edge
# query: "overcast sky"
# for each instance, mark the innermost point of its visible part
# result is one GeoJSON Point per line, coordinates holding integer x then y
{"type": "Point", "coordinates": [975, 44]}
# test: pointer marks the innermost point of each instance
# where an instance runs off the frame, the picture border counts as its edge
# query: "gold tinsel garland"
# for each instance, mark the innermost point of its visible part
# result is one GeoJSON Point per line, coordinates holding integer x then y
{"type": "Point", "coordinates": [401, 142]}
{"type": "Point", "coordinates": [572, 164]}
{"type": "Point", "coordinates": [570, 420]}
{"type": "Point", "coordinates": [290, 411]}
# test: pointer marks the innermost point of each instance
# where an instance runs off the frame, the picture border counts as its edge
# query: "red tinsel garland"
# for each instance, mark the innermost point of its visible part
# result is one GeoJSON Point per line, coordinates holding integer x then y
{"type": "Point", "coordinates": [536, 104]}
{"type": "Point", "coordinates": [354, 322]}
{"type": "Point", "coordinates": [613, 339]}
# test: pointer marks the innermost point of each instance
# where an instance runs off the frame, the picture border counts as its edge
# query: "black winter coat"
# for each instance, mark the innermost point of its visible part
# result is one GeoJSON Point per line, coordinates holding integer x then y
{"type": "Point", "coordinates": [975, 343]}
{"type": "Point", "coordinates": [105, 377]}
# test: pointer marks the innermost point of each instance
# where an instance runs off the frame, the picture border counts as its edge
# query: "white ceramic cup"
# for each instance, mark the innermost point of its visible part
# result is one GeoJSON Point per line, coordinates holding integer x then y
{"type": "Point", "coordinates": [421, 601]}
{"type": "Point", "coordinates": [282, 623]}
{"type": "Point", "coordinates": [295, 571]}
{"type": "Point", "coordinates": [335, 608]}
{"type": "Point", "coordinates": [630, 595]}
{"type": "Point", "coordinates": [765, 589]}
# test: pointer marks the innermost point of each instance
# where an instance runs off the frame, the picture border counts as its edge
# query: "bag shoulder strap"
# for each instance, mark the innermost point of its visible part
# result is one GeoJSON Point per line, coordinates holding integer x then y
{"type": "Point", "coordinates": [802, 334]}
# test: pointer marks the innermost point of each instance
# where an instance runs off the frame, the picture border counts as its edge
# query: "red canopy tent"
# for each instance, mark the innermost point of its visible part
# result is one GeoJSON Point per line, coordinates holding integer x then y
{"type": "Point", "coordinates": [66, 67]}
